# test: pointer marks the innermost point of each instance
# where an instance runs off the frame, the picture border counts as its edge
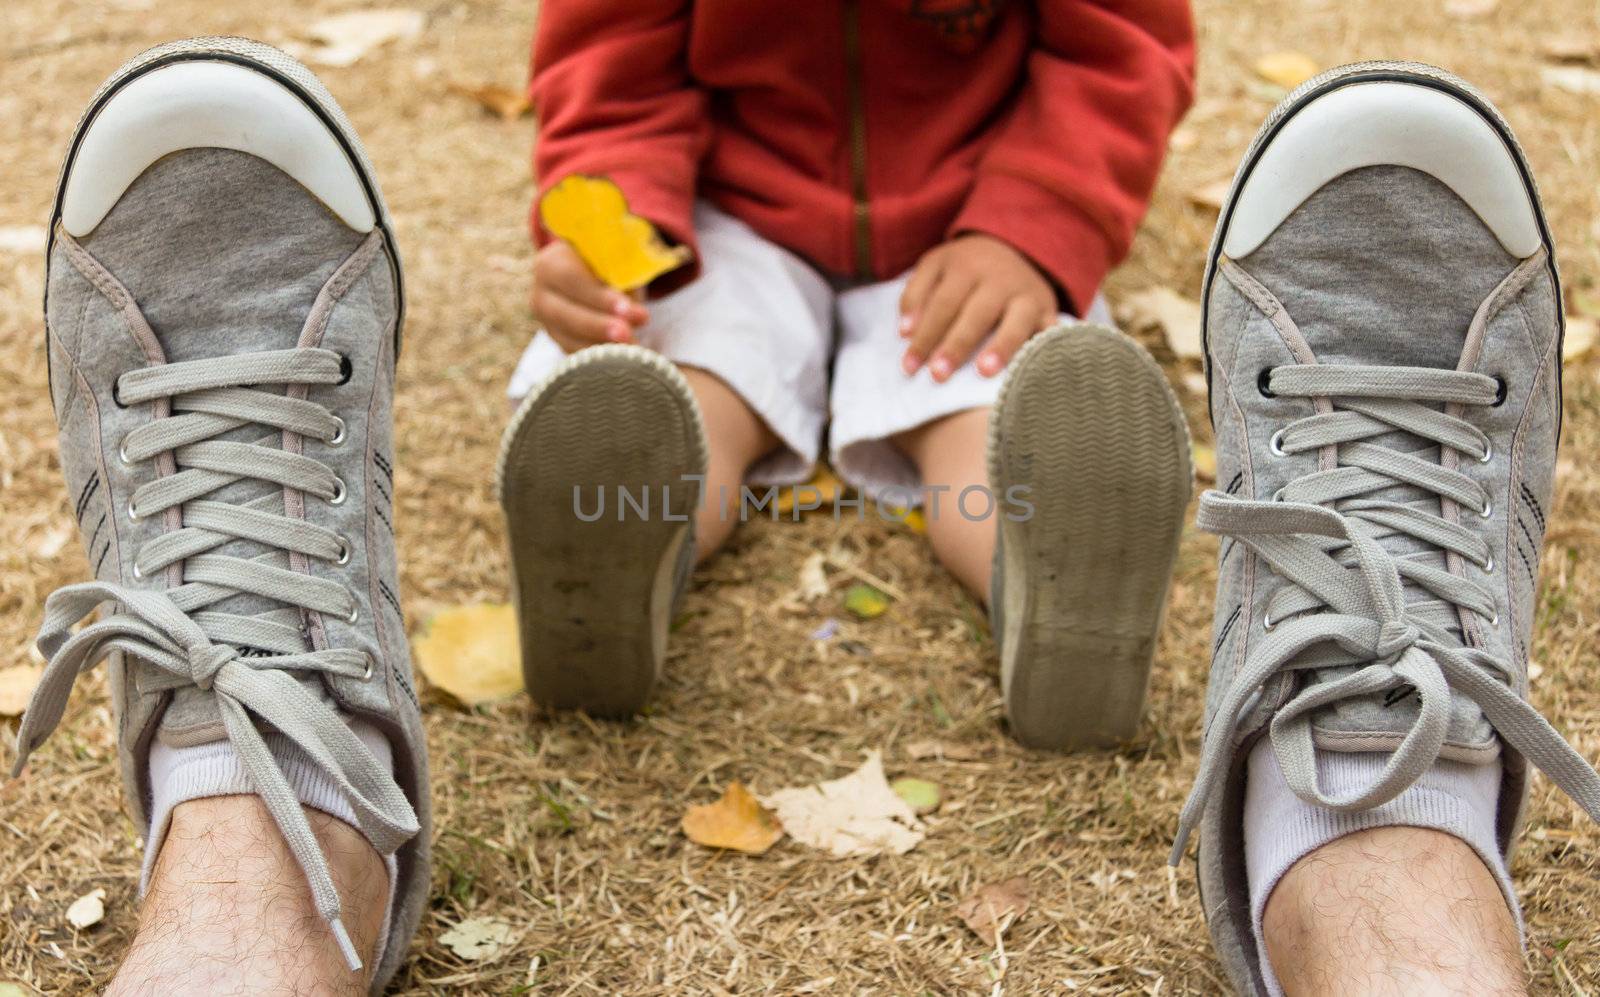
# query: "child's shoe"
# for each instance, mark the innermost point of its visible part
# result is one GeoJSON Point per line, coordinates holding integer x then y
{"type": "Point", "coordinates": [601, 473]}
{"type": "Point", "coordinates": [1089, 460]}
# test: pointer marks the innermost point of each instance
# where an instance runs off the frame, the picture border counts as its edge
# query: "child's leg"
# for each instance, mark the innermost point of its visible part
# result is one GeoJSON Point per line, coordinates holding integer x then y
{"type": "Point", "coordinates": [950, 452]}
{"type": "Point", "coordinates": [736, 438]}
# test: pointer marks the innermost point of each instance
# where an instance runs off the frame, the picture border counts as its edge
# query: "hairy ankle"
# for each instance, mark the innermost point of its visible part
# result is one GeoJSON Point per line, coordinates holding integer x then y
{"type": "Point", "coordinates": [1393, 910]}
{"type": "Point", "coordinates": [228, 909]}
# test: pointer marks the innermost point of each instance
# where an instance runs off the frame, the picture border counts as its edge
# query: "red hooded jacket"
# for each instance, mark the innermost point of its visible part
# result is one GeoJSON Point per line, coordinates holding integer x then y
{"type": "Point", "coordinates": [861, 133]}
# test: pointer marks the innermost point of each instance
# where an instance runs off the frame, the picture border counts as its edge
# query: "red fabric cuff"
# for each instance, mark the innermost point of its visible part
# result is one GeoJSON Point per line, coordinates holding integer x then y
{"type": "Point", "coordinates": [1066, 244]}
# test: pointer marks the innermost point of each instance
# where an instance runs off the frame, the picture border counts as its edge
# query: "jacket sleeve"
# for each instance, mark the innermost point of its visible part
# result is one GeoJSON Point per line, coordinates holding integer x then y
{"type": "Point", "coordinates": [1070, 173]}
{"type": "Point", "coordinates": [611, 88]}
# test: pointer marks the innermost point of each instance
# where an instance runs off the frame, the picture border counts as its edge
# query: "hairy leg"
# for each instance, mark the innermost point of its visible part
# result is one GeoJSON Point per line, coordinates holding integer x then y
{"type": "Point", "coordinates": [737, 438]}
{"type": "Point", "coordinates": [228, 910]}
{"type": "Point", "coordinates": [1393, 910]}
{"type": "Point", "coordinates": [951, 454]}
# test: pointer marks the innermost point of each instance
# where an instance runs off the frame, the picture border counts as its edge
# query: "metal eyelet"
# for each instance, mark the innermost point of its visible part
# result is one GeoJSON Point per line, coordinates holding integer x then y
{"type": "Point", "coordinates": [1500, 391]}
{"type": "Point", "coordinates": [366, 673]}
{"type": "Point", "coordinates": [1488, 452]}
{"type": "Point", "coordinates": [1488, 565]}
{"type": "Point", "coordinates": [344, 551]}
{"type": "Point", "coordinates": [132, 512]}
{"type": "Point", "coordinates": [1494, 620]}
{"type": "Point", "coordinates": [1487, 510]}
{"type": "Point", "coordinates": [1267, 622]}
{"type": "Point", "coordinates": [346, 370]}
{"type": "Point", "coordinates": [122, 453]}
{"type": "Point", "coordinates": [1277, 496]}
{"type": "Point", "coordinates": [338, 433]}
{"type": "Point", "coordinates": [138, 575]}
{"type": "Point", "coordinates": [116, 393]}
{"type": "Point", "coordinates": [1276, 445]}
{"type": "Point", "coordinates": [339, 492]}
{"type": "Point", "coordinates": [355, 613]}
{"type": "Point", "coordinates": [1262, 380]}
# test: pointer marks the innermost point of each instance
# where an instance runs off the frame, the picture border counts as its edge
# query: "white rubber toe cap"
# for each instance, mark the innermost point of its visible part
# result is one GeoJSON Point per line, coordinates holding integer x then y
{"type": "Point", "coordinates": [208, 105]}
{"type": "Point", "coordinates": [1386, 123]}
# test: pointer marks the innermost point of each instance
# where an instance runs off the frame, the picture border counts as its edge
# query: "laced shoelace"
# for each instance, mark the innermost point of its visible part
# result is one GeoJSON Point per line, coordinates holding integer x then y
{"type": "Point", "coordinates": [191, 644]}
{"type": "Point", "coordinates": [1345, 603]}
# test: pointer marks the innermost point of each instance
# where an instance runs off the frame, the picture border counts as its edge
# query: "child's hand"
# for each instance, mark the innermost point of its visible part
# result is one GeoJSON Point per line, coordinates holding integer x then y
{"type": "Point", "coordinates": [575, 306]}
{"type": "Point", "coordinates": [963, 291]}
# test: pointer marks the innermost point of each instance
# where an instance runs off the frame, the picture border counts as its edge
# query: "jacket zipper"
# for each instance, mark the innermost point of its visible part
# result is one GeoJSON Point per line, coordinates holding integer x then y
{"type": "Point", "coordinates": [858, 140]}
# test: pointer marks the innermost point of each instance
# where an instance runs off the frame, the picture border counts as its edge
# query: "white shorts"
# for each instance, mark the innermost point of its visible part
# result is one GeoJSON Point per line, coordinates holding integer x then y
{"type": "Point", "coordinates": [767, 324]}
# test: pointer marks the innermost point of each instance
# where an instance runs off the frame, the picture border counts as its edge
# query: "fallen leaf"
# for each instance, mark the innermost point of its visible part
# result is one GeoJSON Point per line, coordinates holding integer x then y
{"type": "Point", "coordinates": [814, 577]}
{"type": "Point", "coordinates": [1194, 382]}
{"type": "Point", "coordinates": [1176, 316]}
{"type": "Point", "coordinates": [477, 939]}
{"type": "Point", "coordinates": [1211, 195]}
{"type": "Point", "coordinates": [22, 239]}
{"type": "Point", "coordinates": [1205, 462]}
{"type": "Point", "coordinates": [820, 492]}
{"type": "Point", "coordinates": [16, 685]}
{"type": "Point", "coordinates": [1579, 338]}
{"type": "Point", "coordinates": [87, 910]}
{"type": "Point", "coordinates": [14, 990]}
{"type": "Point", "coordinates": [344, 39]}
{"type": "Point", "coordinates": [921, 795]}
{"type": "Point", "coordinates": [923, 750]}
{"type": "Point", "coordinates": [855, 815]}
{"type": "Point", "coordinates": [1572, 48]}
{"type": "Point", "coordinates": [865, 602]}
{"type": "Point", "coordinates": [1573, 79]}
{"type": "Point", "coordinates": [1286, 69]}
{"type": "Point", "coordinates": [737, 821]}
{"type": "Point", "coordinates": [622, 249]}
{"type": "Point", "coordinates": [502, 101]}
{"type": "Point", "coordinates": [993, 907]}
{"type": "Point", "coordinates": [50, 543]}
{"type": "Point", "coordinates": [1470, 10]}
{"type": "Point", "coordinates": [472, 652]}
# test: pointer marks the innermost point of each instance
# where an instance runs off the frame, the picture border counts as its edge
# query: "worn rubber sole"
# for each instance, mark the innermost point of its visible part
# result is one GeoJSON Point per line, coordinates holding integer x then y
{"type": "Point", "coordinates": [1087, 423]}
{"type": "Point", "coordinates": [598, 512]}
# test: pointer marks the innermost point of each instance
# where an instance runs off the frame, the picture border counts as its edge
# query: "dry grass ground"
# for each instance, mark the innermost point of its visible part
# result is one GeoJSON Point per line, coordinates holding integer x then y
{"type": "Point", "coordinates": [569, 829]}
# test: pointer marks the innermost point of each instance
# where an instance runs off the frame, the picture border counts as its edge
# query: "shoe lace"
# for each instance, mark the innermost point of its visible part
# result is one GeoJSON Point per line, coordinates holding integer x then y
{"type": "Point", "coordinates": [189, 643]}
{"type": "Point", "coordinates": [1345, 603]}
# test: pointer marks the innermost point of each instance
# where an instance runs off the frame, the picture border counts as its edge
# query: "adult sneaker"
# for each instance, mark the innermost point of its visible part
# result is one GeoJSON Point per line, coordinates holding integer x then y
{"type": "Point", "coordinates": [1089, 461]}
{"type": "Point", "coordinates": [600, 476]}
{"type": "Point", "coordinates": [1383, 343]}
{"type": "Point", "coordinates": [222, 318]}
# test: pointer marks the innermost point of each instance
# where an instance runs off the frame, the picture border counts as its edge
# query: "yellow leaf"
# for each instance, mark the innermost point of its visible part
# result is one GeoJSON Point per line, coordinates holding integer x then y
{"type": "Point", "coordinates": [1286, 69]}
{"type": "Point", "coordinates": [16, 685]}
{"type": "Point", "coordinates": [502, 101]}
{"type": "Point", "coordinates": [621, 248]}
{"type": "Point", "coordinates": [1205, 462]}
{"type": "Point", "coordinates": [866, 602]}
{"type": "Point", "coordinates": [472, 653]}
{"type": "Point", "coordinates": [737, 821]}
{"type": "Point", "coordinates": [823, 489]}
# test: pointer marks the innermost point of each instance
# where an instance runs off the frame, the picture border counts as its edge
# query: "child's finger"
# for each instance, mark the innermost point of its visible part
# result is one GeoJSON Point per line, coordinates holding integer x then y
{"type": "Point", "coordinates": [976, 320]}
{"type": "Point", "coordinates": [923, 277]}
{"type": "Point", "coordinates": [561, 269]}
{"type": "Point", "coordinates": [1020, 322]}
{"type": "Point", "coordinates": [574, 326]}
{"type": "Point", "coordinates": [933, 319]}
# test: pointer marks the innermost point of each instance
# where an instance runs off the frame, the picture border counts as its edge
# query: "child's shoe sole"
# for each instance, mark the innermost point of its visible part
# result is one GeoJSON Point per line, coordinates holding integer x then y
{"type": "Point", "coordinates": [1087, 422]}
{"type": "Point", "coordinates": [594, 593]}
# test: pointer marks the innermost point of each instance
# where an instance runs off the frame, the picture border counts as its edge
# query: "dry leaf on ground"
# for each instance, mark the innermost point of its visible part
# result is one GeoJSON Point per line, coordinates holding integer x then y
{"type": "Point", "coordinates": [1580, 336]}
{"type": "Point", "coordinates": [478, 939]}
{"type": "Point", "coordinates": [1286, 69]}
{"type": "Point", "coordinates": [737, 821]}
{"type": "Point", "coordinates": [813, 577]}
{"type": "Point", "coordinates": [343, 39]}
{"type": "Point", "coordinates": [22, 239]}
{"type": "Point", "coordinates": [16, 685]}
{"type": "Point", "coordinates": [1176, 316]}
{"type": "Point", "coordinates": [14, 990]}
{"type": "Point", "coordinates": [1580, 80]}
{"type": "Point", "coordinates": [993, 907]}
{"type": "Point", "coordinates": [855, 815]}
{"type": "Point", "coordinates": [472, 652]}
{"type": "Point", "coordinates": [622, 249]}
{"type": "Point", "coordinates": [865, 602]}
{"type": "Point", "coordinates": [1205, 462]}
{"type": "Point", "coordinates": [1572, 48]}
{"type": "Point", "coordinates": [506, 103]}
{"type": "Point", "coordinates": [1211, 195]}
{"type": "Point", "coordinates": [87, 910]}
{"type": "Point", "coordinates": [921, 795]}
{"type": "Point", "coordinates": [922, 750]}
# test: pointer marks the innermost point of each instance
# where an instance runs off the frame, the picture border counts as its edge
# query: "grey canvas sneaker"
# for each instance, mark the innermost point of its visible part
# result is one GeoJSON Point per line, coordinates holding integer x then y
{"type": "Point", "coordinates": [601, 471]}
{"type": "Point", "coordinates": [223, 310]}
{"type": "Point", "coordinates": [1383, 326]}
{"type": "Point", "coordinates": [1089, 458]}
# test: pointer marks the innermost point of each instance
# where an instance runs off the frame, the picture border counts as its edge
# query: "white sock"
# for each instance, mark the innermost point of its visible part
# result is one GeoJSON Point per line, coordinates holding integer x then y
{"type": "Point", "coordinates": [178, 775]}
{"type": "Point", "coordinates": [1280, 828]}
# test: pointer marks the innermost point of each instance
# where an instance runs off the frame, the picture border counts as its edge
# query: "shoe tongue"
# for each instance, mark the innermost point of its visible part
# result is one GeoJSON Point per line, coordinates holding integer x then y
{"type": "Point", "coordinates": [1386, 266]}
{"type": "Point", "coordinates": [1383, 266]}
{"type": "Point", "coordinates": [225, 254]}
